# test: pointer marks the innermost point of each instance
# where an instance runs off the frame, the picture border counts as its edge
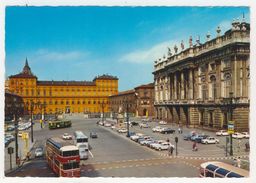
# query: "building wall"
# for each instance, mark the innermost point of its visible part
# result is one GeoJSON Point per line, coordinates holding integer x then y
{"type": "Point", "coordinates": [13, 106]}
{"type": "Point", "coordinates": [196, 83]}
{"type": "Point", "coordinates": [67, 97]}
{"type": "Point", "coordinates": [140, 99]}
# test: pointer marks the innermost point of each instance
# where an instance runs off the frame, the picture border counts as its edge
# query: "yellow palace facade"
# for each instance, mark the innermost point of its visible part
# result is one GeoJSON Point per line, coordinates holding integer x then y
{"type": "Point", "coordinates": [63, 96]}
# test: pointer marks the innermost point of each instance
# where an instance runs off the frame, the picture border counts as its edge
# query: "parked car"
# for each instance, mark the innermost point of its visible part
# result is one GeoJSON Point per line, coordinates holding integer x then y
{"type": "Point", "coordinates": [136, 136]}
{"type": "Point", "coordinates": [164, 146]}
{"type": "Point", "coordinates": [93, 135]}
{"type": "Point", "coordinates": [156, 144]}
{"type": "Point", "coordinates": [66, 136]}
{"type": "Point", "coordinates": [144, 125]}
{"type": "Point", "coordinates": [113, 127]}
{"type": "Point", "coordinates": [210, 140]}
{"type": "Point", "coordinates": [107, 125]}
{"type": "Point", "coordinates": [222, 133]}
{"type": "Point", "coordinates": [237, 135]}
{"type": "Point", "coordinates": [157, 129]}
{"type": "Point", "coordinates": [167, 131]}
{"type": "Point", "coordinates": [122, 130]}
{"type": "Point", "coordinates": [199, 138]}
{"type": "Point", "coordinates": [10, 128]}
{"type": "Point", "coordinates": [134, 123]}
{"type": "Point", "coordinates": [142, 140]}
{"type": "Point", "coordinates": [9, 137]}
{"type": "Point", "coordinates": [39, 152]}
{"type": "Point", "coordinates": [6, 142]}
{"type": "Point", "coordinates": [162, 122]}
{"type": "Point", "coordinates": [246, 135]}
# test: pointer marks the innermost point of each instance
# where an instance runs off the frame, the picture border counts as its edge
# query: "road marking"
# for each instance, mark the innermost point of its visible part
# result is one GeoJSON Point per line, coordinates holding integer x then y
{"type": "Point", "coordinates": [91, 153]}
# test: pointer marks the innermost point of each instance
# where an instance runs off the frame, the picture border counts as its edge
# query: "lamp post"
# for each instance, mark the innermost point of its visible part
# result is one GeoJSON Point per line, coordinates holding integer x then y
{"type": "Point", "coordinates": [102, 108]}
{"type": "Point", "coordinates": [230, 107]}
{"type": "Point", "coordinates": [31, 116]}
{"type": "Point", "coordinates": [126, 103]}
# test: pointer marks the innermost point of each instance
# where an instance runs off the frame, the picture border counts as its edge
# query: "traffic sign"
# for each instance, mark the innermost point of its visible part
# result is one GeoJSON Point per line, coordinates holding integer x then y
{"type": "Point", "coordinates": [231, 127]}
{"type": "Point", "coordinates": [24, 135]}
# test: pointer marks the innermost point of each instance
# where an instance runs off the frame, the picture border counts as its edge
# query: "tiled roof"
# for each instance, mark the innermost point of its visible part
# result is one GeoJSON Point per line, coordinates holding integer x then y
{"type": "Point", "coordinates": [127, 92]}
{"type": "Point", "coordinates": [66, 83]}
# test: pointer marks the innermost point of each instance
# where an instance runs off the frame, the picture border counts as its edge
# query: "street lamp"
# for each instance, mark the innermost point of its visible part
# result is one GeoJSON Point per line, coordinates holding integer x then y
{"type": "Point", "coordinates": [229, 105]}
{"type": "Point", "coordinates": [31, 117]}
{"type": "Point", "coordinates": [102, 107]}
{"type": "Point", "coordinates": [127, 117]}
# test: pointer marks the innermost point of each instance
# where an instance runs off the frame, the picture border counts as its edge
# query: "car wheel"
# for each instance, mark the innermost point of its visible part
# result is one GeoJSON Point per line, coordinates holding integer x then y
{"type": "Point", "coordinates": [206, 142]}
{"type": "Point", "coordinates": [165, 132]}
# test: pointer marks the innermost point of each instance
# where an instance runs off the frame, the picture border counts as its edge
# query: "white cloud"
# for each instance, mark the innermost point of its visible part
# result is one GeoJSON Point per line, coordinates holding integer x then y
{"type": "Point", "coordinates": [48, 55]}
{"type": "Point", "coordinates": [146, 56]}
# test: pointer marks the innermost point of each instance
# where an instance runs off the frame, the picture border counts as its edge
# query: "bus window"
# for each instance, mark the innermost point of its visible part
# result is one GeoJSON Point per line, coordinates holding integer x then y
{"type": "Point", "coordinates": [82, 140]}
{"type": "Point", "coordinates": [221, 172]}
{"type": "Point", "coordinates": [234, 175]}
{"type": "Point", "coordinates": [70, 153]}
{"type": "Point", "coordinates": [72, 165]}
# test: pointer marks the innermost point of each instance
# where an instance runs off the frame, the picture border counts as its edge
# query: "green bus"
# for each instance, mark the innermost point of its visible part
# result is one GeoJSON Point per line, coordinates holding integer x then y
{"type": "Point", "coordinates": [59, 124]}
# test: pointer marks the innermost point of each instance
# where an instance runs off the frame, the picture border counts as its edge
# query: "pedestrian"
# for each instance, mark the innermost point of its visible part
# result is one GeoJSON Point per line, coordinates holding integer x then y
{"type": "Point", "coordinates": [172, 148]}
{"type": "Point", "coordinates": [179, 130]}
{"type": "Point", "coordinates": [194, 148]}
{"type": "Point", "coordinates": [238, 161]}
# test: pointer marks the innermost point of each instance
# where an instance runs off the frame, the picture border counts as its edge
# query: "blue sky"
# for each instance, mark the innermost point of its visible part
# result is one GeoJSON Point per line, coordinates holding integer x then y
{"type": "Point", "coordinates": [79, 43]}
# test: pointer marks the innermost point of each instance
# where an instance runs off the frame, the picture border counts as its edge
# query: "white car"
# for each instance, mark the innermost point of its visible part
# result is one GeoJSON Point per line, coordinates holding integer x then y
{"type": "Point", "coordinates": [136, 136]}
{"type": "Point", "coordinates": [144, 125]}
{"type": "Point", "coordinates": [157, 129]}
{"type": "Point", "coordinates": [210, 140]}
{"type": "Point", "coordinates": [162, 122]}
{"type": "Point", "coordinates": [66, 136]}
{"type": "Point", "coordinates": [246, 135]}
{"type": "Point", "coordinates": [39, 152]}
{"type": "Point", "coordinates": [107, 125]}
{"type": "Point", "coordinates": [237, 135]}
{"type": "Point", "coordinates": [122, 130]}
{"type": "Point", "coordinates": [222, 133]}
{"type": "Point", "coordinates": [157, 144]}
{"type": "Point", "coordinates": [164, 146]}
{"type": "Point", "coordinates": [113, 127]}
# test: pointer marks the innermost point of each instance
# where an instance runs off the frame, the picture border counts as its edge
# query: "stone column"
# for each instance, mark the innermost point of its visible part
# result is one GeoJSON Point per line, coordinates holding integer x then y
{"type": "Point", "coordinates": [182, 85]}
{"type": "Point", "coordinates": [190, 84]}
{"type": "Point", "coordinates": [175, 86]}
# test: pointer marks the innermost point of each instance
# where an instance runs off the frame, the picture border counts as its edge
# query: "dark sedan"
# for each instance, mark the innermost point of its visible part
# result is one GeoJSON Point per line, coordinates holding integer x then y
{"type": "Point", "coordinates": [93, 135]}
{"type": "Point", "coordinates": [167, 131]}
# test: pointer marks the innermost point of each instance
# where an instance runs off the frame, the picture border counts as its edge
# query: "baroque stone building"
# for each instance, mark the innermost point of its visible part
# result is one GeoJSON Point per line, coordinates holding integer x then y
{"type": "Point", "coordinates": [194, 87]}
{"type": "Point", "coordinates": [62, 96]}
{"type": "Point", "coordinates": [140, 101]}
{"type": "Point", "coordinates": [14, 105]}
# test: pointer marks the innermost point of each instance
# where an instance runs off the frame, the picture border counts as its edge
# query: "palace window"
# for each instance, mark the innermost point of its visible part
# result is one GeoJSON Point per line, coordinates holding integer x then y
{"type": "Point", "coordinates": [26, 91]}
{"type": "Point", "coordinates": [78, 102]}
{"type": "Point", "coordinates": [56, 102]}
{"type": "Point", "coordinates": [38, 92]}
{"type": "Point", "coordinates": [32, 92]}
{"type": "Point", "coordinates": [73, 102]}
{"type": "Point", "coordinates": [83, 102]}
{"type": "Point", "coordinates": [61, 102]}
{"type": "Point", "coordinates": [227, 84]}
{"type": "Point", "coordinates": [94, 102]}
{"type": "Point", "coordinates": [67, 102]}
{"type": "Point", "coordinates": [50, 102]}
{"type": "Point", "coordinates": [89, 102]}
{"type": "Point", "coordinates": [44, 92]}
{"type": "Point", "coordinates": [204, 91]}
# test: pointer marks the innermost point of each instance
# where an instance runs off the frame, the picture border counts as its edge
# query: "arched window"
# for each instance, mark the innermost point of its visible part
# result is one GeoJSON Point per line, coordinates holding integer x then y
{"type": "Point", "coordinates": [227, 84]}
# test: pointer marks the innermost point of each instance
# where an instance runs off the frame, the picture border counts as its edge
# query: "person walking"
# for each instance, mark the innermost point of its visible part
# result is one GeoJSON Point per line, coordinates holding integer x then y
{"type": "Point", "coordinates": [238, 161]}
